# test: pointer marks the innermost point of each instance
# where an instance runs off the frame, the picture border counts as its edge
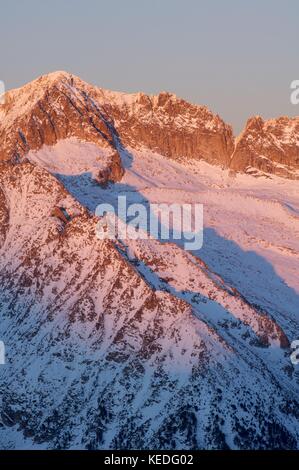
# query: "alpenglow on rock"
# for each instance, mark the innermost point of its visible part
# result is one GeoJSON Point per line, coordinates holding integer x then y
{"type": "Point", "coordinates": [60, 105]}
{"type": "Point", "coordinates": [131, 343]}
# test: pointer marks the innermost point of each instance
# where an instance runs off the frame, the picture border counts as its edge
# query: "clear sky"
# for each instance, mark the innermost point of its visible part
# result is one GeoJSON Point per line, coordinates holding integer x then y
{"type": "Point", "coordinates": [236, 56]}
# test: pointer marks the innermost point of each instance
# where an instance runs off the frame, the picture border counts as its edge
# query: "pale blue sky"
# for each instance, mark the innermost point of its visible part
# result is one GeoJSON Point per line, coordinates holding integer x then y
{"type": "Point", "coordinates": [237, 57]}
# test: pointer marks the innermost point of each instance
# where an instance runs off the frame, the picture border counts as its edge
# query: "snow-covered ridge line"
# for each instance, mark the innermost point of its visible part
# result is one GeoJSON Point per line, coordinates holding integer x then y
{"type": "Point", "coordinates": [142, 348]}
{"type": "Point", "coordinates": [162, 123]}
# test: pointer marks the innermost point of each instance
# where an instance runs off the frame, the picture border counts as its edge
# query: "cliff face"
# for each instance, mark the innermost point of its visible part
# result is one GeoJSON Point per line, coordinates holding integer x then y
{"type": "Point", "coordinates": [270, 146]}
{"type": "Point", "coordinates": [170, 126]}
{"type": "Point", "coordinates": [125, 344]}
{"type": "Point", "coordinates": [50, 109]}
{"type": "Point", "coordinates": [106, 351]}
{"type": "Point", "coordinates": [59, 106]}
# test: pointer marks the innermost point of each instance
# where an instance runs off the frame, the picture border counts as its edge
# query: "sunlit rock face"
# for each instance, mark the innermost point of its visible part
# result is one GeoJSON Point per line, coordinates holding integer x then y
{"type": "Point", "coordinates": [170, 126]}
{"type": "Point", "coordinates": [53, 108]}
{"type": "Point", "coordinates": [59, 106]}
{"type": "Point", "coordinates": [270, 146]}
{"type": "Point", "coordinates": [138, 343]}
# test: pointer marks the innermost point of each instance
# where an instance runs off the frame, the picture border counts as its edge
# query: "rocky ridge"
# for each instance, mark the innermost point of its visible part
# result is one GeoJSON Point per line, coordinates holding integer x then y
{"type": "Point", "coordinates": [105, 351]}
{"type": "Point", "coordinates": [270, 146]}
{"type": "Point", "coordinates": [126, 345]}
{"type": "Point", "coordinates": [60, 105]}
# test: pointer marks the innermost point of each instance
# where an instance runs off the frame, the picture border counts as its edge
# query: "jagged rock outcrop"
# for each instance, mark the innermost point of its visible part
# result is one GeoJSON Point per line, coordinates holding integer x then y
{"type": "Point", "coordinates": [52, 108]}
{"type": "Point", "coordinates": [270, 146]}
{"type": "Point", "coordinates": [170, 126]}
{"type": "Point", "coordinates": [100, 356]}
{"type": "Point", "coordinates": [132, 344]}
{"type": "Point", "coordinates": [60, 106]}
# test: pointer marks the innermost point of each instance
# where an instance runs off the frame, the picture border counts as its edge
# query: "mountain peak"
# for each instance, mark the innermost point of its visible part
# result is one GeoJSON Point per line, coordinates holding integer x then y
{"type": "Point", "coordinates": [54, 78]}
{"type": "Point", "coordinates": [271, 146]}
{"type": "Point", "coordinates": [60, 105]}
{"type": "Point", "coordinates": [51, 77]}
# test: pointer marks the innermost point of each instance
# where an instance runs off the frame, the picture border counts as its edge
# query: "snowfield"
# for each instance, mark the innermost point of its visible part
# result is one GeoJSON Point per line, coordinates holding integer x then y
{"type": "Point", "coordinates": [141, 344]}
{"type": "Point", "coordinates": [251, 224]}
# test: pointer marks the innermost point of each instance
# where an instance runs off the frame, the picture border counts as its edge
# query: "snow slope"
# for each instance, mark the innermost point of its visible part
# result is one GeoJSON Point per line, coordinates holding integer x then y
{"type": "Point", "coordinates": [251, 225]}
{"type": "Point", "coordinates": [140, 344]}
{"type": "Point", "coordinates": [129, 344]}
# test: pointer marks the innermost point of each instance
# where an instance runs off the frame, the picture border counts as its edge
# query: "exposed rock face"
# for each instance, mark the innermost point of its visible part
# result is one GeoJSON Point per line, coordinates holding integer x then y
{"type": "Point", "coordinates": [170, 126]}
{"type": "Point", "coordinates": [99, 357]}
{"type": "Point", "coordinates": [270, 146]}
{"type": "Point", "coordinates": [50, 109]}
{"type": "Point", "coordinates": [4, 217]}
{"type": "Point", "coordinates": [125, 344]}
{"type": "Point", "coordinates": [114, 170]}
{"type": "Point", "coordinates": [59, 106]}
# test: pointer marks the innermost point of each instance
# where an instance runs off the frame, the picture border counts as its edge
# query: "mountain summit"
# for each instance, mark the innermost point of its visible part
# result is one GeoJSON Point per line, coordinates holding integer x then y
{"type": "Point", "coordinates": [131, 343]}
{"type": "Point", "coordinates": [60, 105]}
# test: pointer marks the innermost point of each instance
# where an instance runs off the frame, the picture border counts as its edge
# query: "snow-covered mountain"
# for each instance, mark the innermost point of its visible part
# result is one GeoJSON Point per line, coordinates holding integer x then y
{"type": "Point", "coordinates": [60, 105]}
{"type": "Point", "coordinates": [271, 146]}
{"type": "Point", "coordinates": [140, 343]}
